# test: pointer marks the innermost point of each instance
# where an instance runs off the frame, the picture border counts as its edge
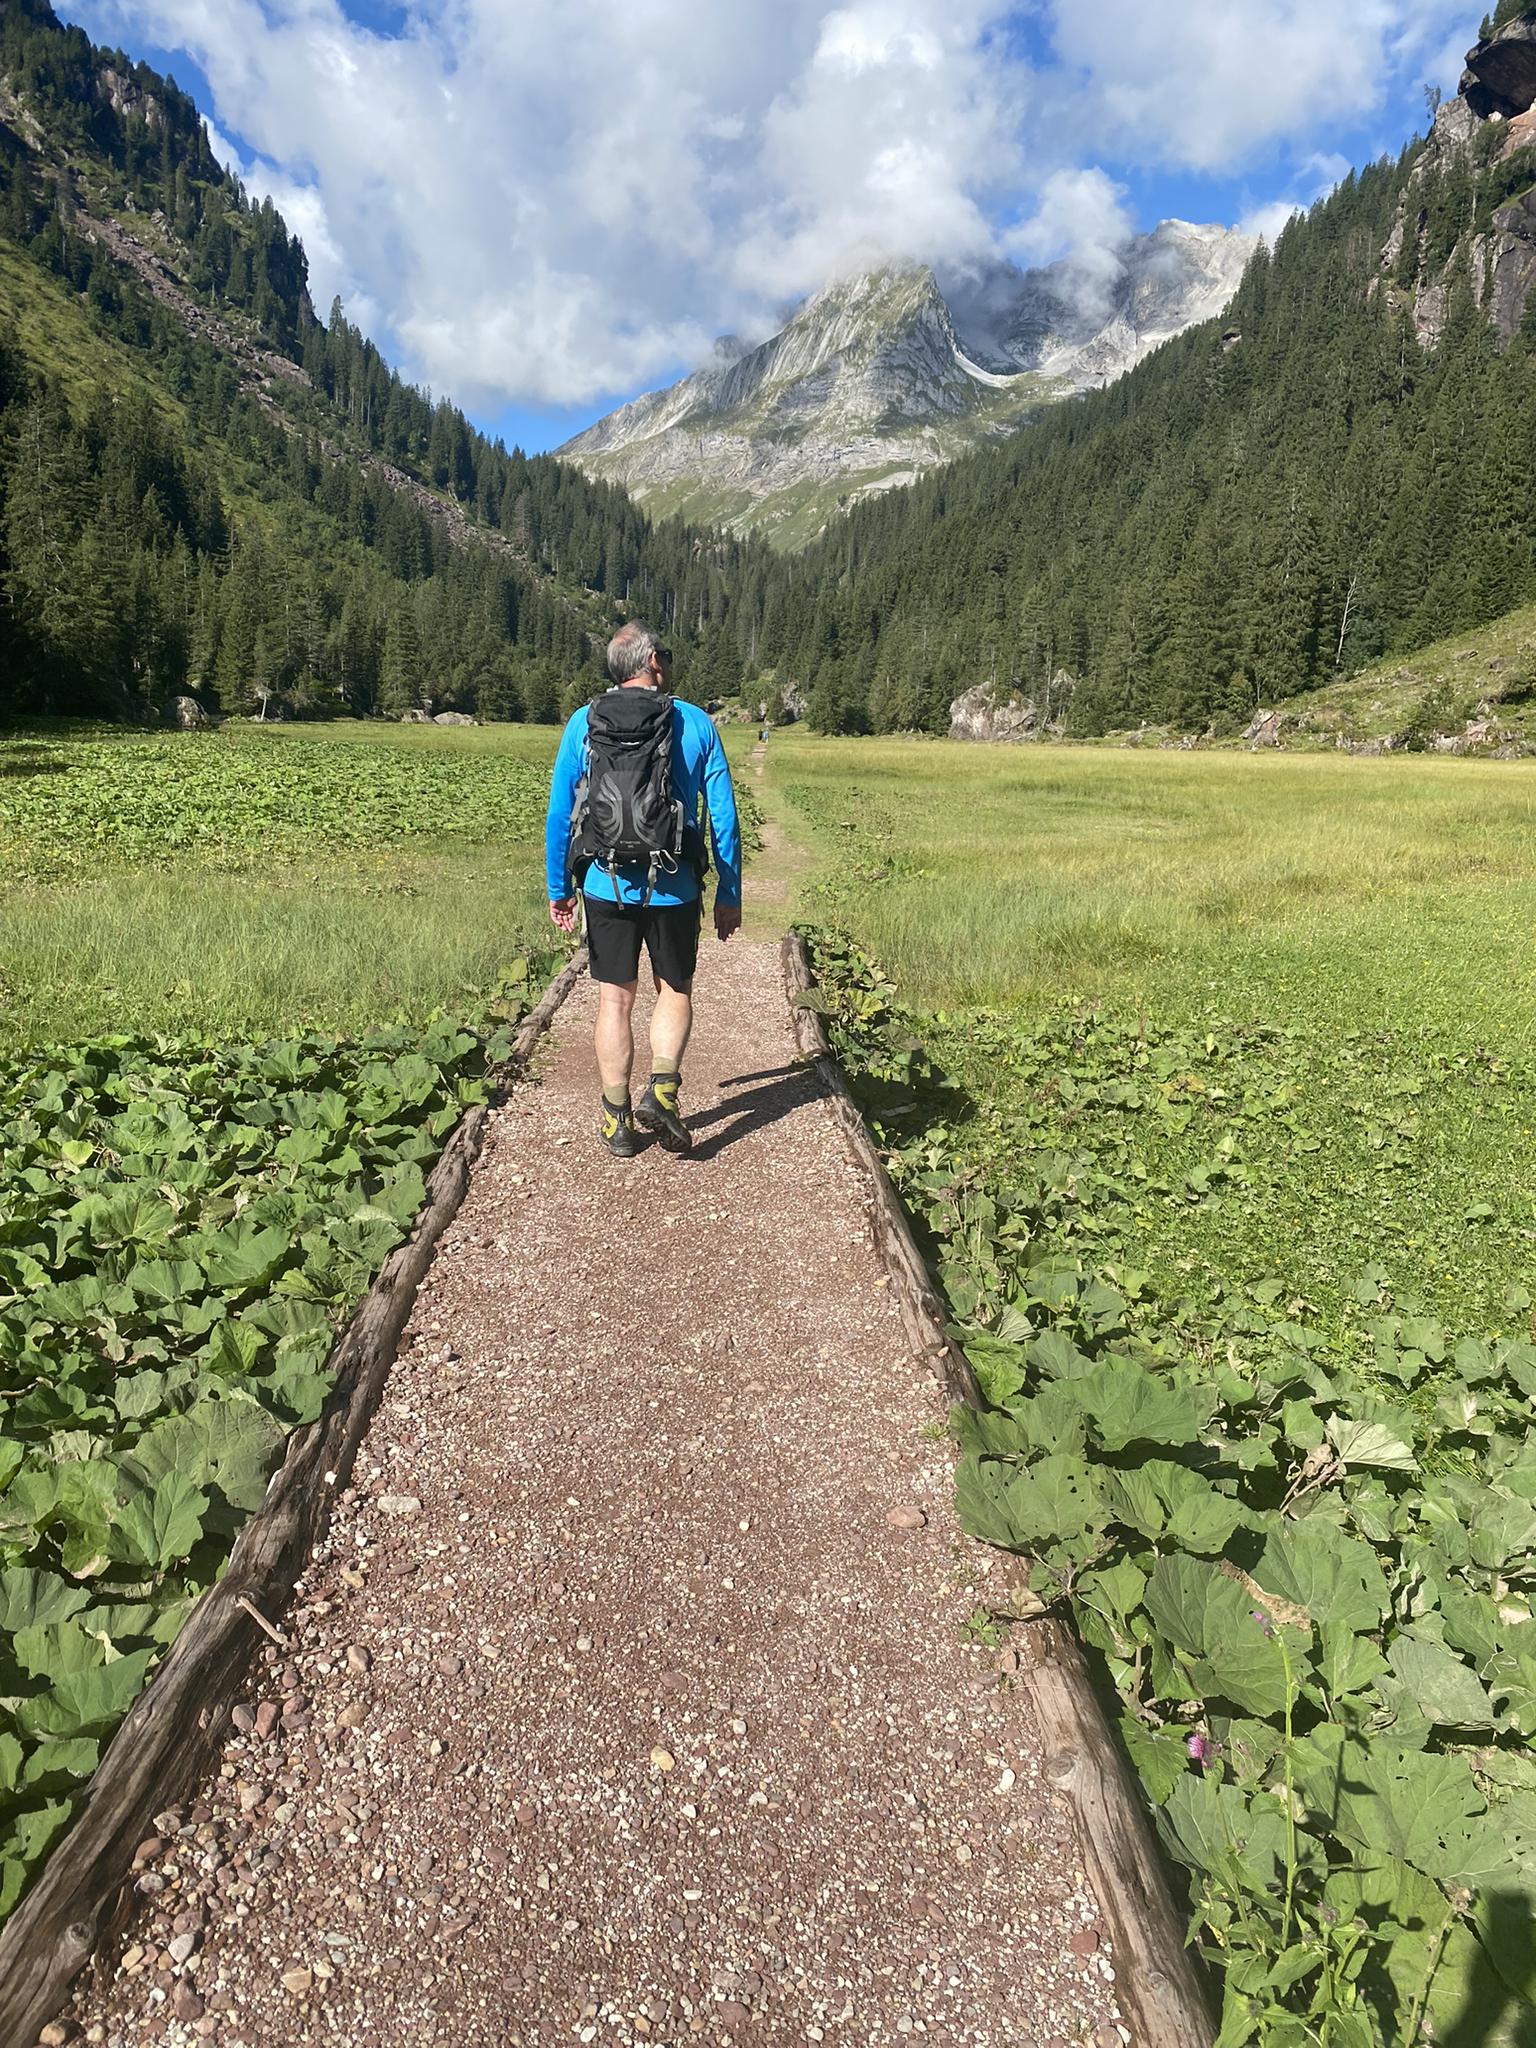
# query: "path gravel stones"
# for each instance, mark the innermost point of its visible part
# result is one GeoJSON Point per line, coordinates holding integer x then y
{"type": "Point", "coordinates": [631, 1698]}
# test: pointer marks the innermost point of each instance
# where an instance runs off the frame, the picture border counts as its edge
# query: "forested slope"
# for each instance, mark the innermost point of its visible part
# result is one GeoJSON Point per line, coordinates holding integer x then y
{"type": "Point", "coordinates": [204, 487]}
{"type": "Point", "coordinates": [1336, 471]}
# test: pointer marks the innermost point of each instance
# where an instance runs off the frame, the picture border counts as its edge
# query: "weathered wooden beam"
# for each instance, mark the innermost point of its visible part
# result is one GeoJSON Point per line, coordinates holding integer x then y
{"type": "Point", "coordinates": [1157, 1984]}
{"type": "Point", "coordinates": [173, 1731]}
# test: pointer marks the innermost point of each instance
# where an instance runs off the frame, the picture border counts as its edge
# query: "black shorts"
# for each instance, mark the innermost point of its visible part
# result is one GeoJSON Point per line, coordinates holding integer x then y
{"type": "Point", "coordinates": [670, 932]}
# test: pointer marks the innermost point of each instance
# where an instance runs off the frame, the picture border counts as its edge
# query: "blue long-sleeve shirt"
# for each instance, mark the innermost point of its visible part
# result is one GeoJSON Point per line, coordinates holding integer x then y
{"type": "Point", "coordinates": [700, 777]}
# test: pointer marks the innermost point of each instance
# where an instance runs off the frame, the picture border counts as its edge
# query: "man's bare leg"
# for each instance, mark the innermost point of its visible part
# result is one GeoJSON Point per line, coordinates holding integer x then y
{"type": "Point", "coordinates": [671, 1026]}
{"type": "Point", "coordinates": [615, 1046]}
{"type": "Point", "coordinates": [671, 1023]}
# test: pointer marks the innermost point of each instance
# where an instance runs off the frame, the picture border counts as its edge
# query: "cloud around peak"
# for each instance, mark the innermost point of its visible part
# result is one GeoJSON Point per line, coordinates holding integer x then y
{"type": "Point", "coordinates": [566, 199]}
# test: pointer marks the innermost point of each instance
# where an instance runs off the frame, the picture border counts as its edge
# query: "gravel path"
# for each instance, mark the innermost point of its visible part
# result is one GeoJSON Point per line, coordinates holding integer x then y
{"type": "Point", "coordinates": [631, 1698]}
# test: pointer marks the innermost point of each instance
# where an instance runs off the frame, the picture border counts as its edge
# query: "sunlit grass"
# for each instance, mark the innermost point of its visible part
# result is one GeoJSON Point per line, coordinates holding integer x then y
{"type": "Point", "coordinates": [333, 941]}
{"type": "Point", "coordinates": [1397, 891]}
{"type": "Point", "coordinates": [1378, 913]}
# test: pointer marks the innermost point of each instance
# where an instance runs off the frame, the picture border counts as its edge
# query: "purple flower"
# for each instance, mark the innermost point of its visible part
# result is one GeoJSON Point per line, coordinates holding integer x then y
{"type": "Point", "coordinates": [1199, 1749]}
{"type": "Point", "coordinates": [1263, 1620]}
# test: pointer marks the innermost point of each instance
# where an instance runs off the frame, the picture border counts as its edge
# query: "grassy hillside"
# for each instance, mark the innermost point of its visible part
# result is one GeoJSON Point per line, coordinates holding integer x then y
{"type": "Point", "coordinates": [1485, 678]}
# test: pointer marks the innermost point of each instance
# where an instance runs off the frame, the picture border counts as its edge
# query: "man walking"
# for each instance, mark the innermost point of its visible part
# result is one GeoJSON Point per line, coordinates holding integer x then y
{"type": "Point", "coordinates": [633, 770]}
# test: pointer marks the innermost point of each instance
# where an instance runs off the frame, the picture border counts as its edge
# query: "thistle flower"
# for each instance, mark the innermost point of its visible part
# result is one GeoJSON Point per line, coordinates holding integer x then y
{"type": "Point", "coordinates": [1200, 1748]}
{"type": "Point", "coordinates": [1263, 1620]}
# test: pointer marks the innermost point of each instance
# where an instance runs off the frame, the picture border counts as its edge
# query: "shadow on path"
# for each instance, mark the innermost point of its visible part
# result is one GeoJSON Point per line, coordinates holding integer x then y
{"type": "Point", "coordinates": [778, 1092]}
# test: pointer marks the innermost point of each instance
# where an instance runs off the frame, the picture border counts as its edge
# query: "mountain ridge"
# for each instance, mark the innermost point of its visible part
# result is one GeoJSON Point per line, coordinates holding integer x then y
{"type": "Point", "coordinates": [883, 374]}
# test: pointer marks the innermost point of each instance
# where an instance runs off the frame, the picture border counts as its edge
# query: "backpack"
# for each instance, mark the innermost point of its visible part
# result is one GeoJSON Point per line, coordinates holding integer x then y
{"type": "Point", "coordinates": [625, 809]}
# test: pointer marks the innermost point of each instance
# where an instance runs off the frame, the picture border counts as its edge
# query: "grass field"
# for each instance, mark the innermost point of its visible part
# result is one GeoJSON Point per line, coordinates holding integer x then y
{"type": "Point", "coordinates": [1377, 912]}
{"type": "Point", "coordinates": [1209, 1080]}
{"type": "Point", "coordinates": [261, 880]}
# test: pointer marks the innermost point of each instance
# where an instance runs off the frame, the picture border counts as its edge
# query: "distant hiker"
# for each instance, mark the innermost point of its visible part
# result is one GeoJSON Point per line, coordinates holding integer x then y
{"type": "Point", "coordinates": [624, 828]}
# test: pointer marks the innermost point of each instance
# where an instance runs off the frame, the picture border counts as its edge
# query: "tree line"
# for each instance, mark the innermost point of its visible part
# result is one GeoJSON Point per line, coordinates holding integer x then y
{"type": "Point", "coordinates": [191, 532]}
{"type": "Point", "coordinates": [1265, 503]}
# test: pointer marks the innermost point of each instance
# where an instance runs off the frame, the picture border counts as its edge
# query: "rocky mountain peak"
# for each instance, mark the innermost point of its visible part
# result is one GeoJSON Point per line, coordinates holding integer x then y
{"type": "Point", "coordinates": [886, 371]}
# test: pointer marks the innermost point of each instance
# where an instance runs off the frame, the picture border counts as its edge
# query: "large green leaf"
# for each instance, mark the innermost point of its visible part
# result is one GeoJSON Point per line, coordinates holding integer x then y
{"type": "Point", "coordinates": [161, 1523]}
{"type": "Point", "coordinates": [1236, 1837]}
{"type": "Point", "coordinates": [1242, 1651]}
{"type": "Point", "coordinates": [1369, 1443]}
{"type": "Point", "coordinates": [86, 1702]}
{"type": "Point", "coordinates": [239, 1257]}
{"type": "Point", "coordinates": [1332, 1576]}
{"type": "Point", "coordinates": [31, 1599]}
{"type": "Point", "coordinates": [1128, 1404]}
{"type": "Point", "coordinates": [1424, 1809]}
{"type": "Point", "coordinates": [1447, 1690]}
{"type": "Point", "coordinates": [230, 1444]}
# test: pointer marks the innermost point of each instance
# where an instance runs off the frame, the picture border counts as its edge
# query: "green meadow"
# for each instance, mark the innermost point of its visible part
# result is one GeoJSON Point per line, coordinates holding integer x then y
{"type": "Point", "coordinates": [1376, 914]}
{"type": "Point", "coordinates": [1208, 1082]}
{"type": "Point", "coordinates": [259, 880]}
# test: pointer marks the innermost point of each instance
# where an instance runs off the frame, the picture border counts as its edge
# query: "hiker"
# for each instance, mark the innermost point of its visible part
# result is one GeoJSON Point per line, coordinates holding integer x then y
{"type": "Point", "coordinates": [624, 829]}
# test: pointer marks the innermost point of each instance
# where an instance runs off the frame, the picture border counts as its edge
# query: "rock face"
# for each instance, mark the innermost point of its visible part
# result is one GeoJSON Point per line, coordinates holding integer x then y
{"type": "Point", "coordinates": [879, 376]}
{"type": "Point", "coordinates": [1500, 78]}
{"type": "Point", "coordinates": [991, 712]}
{"type": "Point", "coordinates": [1498, 86]}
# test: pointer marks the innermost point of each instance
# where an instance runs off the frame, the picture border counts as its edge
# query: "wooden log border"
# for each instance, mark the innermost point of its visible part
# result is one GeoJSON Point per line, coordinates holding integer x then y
{"type": "Point", "coordinates": [176, 1726]}
{"type": "Point", "coordinates": [1157, 1985]}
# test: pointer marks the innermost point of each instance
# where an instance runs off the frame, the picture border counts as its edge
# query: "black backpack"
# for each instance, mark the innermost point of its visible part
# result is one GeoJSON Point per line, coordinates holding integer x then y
{"type": "Point", "coordinates": [625, 809]}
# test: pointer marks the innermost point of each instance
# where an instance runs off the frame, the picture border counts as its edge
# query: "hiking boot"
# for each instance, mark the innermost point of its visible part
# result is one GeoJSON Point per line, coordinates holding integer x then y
{"type": "Point", "coordinates": [616, 1128]}
{"type": "Point", "coordinates": [657, 1111]}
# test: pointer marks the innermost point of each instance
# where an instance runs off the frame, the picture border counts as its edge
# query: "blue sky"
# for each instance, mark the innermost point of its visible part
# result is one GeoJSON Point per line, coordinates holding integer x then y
{"type": "Point", "coordinates": [546, 208]}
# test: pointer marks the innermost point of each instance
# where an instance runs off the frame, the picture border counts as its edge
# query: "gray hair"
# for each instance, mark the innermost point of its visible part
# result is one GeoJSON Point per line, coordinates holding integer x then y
{"type": "Point", "coordinates": [629, 651]}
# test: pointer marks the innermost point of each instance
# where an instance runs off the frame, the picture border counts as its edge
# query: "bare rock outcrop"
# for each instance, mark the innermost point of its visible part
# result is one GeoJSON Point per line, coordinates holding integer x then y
{"type": "Point", "coordinates": [185, 714]}
{"type": "Point", "coordinates": [1500, 78]}
{"type": "Point", "coordinates": [998, 711]}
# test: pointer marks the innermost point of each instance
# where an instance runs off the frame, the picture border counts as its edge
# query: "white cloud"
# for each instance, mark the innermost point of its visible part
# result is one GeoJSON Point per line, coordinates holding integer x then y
{"type": "Point", "coordinates": [1210, 86]}
{"type": "Point", "coordinates": [553, 200]}
{"type": "Point", "coordinates": [1082, 222]}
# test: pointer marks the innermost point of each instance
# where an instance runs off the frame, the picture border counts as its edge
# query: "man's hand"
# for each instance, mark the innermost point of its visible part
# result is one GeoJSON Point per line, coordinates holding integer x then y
{"type": "Point", "coordinates": [727, 919]}
{"type": "Point", "coordinates": [562, 912]}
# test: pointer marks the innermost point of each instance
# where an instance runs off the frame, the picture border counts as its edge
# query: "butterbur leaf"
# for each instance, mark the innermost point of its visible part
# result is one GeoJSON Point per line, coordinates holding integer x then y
{"type": "Point", "coordinates": [230, 1444]}
{"type": "Point", "coordinates": [86, 1702]}
{"type": "Point", "coordinates": [1242, 1652]}
{"type": "Point", "coordinates": [10, 1763]}
{"type": "Point", "coordinates": [1128, 1404]}
{"type": "Point", "coordinates": [55, 1766]}
{"type": "Point", "coordinates": [1502, 1531]}
{"type": "Point", "coordinates": [1158, 1756]}
{"type": "Point", "coordinates": [239, 1256]}
{"type": "Point", "coordinates": [1324, 1571]}
{"type": "Point", "coordinates": [1369, 1443]}
{"type": "Point", "coordinates": [160, 1524]}
{"type": "Point", "coordinates": [1512, 1682]}
{"type": "Point", "coordinates": [1056, 1501]}
{"type": "Point", "coordinates": [1347, 1664]}
{"type": "Point", "coordinates": [981, 1504]}
{"type": "Point", "coordinates": [138, 1394]}
{"type": "Point", "coordinates": [1239, 1838]}
{"type": "Point", "coordinates": [1425, 1810]}
{"type": "Point", "coordinates": [30, 1598]}
{"type": "Point", "coordinates": [1445, 1688]}
{"type": "Point", "coordinates": [57, 1649]}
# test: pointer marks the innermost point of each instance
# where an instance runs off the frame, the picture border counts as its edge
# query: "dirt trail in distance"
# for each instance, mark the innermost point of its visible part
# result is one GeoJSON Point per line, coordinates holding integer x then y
{"type": "Point", "coordinates": [631, 1698]}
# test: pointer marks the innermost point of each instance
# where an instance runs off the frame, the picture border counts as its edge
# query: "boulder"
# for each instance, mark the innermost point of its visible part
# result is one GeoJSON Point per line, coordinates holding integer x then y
{"type": "Point", "coordinates": [1263, 729]}
{"type": "Point", "coordinates": [794, 700]}
{"type": "Point", "coordinates": [1500, 78]}
{"type": "Point", "coordinates": [987, 711]}
{"type": "Point", "coordinates": [185, 713]}
{"type": "Point", "coordinates": [416, 717]}
{"type": "Point", "coordinates": [454, 718]}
